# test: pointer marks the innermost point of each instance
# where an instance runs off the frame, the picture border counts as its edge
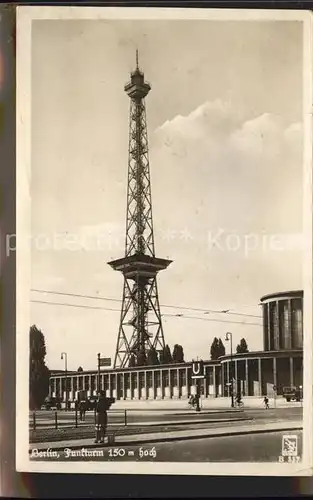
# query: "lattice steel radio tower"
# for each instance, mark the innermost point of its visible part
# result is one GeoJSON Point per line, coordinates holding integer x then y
{"type": "Point", "coordinates": [140, 326]}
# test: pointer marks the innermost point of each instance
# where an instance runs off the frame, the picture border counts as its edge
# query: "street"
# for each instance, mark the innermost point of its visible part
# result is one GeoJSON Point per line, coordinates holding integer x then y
{"type": "Point", "coordinates": [46, 419]}
{"type": "Point", "coordinates": [265, 447]}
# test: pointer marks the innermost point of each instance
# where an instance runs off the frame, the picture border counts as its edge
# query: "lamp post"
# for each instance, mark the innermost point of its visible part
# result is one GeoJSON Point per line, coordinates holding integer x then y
{"type": "Point", "coordinates": [64, 356]}
{"type": "Point", "coordinates": [98, 381]}
{"type": "Point", "coordinates": [229, 337]}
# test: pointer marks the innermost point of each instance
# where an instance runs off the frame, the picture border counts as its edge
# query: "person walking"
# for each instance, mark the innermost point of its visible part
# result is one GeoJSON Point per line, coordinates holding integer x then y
{"type": "Point", "coordinates": [82, 410]}
{"type": "Point", "coordinates": [102, 407]}
{"type": "Point", "coordinates": [266, 402]}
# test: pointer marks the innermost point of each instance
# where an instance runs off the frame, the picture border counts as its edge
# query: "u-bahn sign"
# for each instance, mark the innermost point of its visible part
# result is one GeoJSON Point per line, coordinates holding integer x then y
{"type": "Point", "coordinates": [197, 369]}
{"type": "Point", "coordinates": [105, 362]}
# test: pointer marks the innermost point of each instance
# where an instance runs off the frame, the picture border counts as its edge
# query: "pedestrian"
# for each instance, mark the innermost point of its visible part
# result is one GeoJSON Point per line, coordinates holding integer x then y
{"type": "Point", "coordinates": [82, 410]}
{"type": "Point", "coordinates": [101, 417]}
{"type": "Point", "coordinates": [266, 402]}
{"type": "Point", "coordinates": [238, 399]}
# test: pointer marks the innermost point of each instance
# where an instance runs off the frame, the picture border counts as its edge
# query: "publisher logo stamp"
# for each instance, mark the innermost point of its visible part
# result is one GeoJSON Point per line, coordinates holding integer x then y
{"type": "Point", "coordinates": [290, 446]}
{"type": "Point", "coordinates": [289, 449]}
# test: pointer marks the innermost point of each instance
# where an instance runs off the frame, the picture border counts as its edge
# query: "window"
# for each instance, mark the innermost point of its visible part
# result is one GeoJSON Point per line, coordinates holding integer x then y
{"type": "Point", "coordinates": [174, 378]}
{"type": "Point", "coordinates": [157, 378]}
{"type": "Point", "coordinates": [141, 379]}
{"type": "Point", "coordinates": [113, 382]}
{"type": "Point", "coordinates": [182, 377]}
{"type": "Point", "coordinates": [149, 379]}
{"type": "Point", "coordinates": [165, 378]}
{"type": "Point", "coordinates": [297, 323]}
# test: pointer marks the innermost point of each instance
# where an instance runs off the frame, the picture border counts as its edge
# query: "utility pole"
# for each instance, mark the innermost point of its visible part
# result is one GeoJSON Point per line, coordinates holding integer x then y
{"type": "Point", "coordinates": [229, 337]}
{"type": "Point", "coordinates": [64, 356]}
{"type": "Point", "coordinates": [98, 380]}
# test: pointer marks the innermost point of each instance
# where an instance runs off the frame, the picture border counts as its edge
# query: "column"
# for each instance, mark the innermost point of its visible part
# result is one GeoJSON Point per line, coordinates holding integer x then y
{"type": "Point", "coordinates": [247, 379]}
{"type": "Point", "coordinates": [153, 384]}
{"type": "Point", "coordinates": [124, 388]}
{"type": "Point", "coordinates": [260, 376]}
{"type": "Point", "coordinates": [170, 382]}
{"type": "Point", "coordinates": [110, 388]}
{"type": "Point", "coordinates": [214, 381]}
{"type": "Point", "coordinates": [187, 385]}
{"type": "Point", "coordinates": [205, 381]}
{"type": "Point", "coordinates": [178, 384]}
{"type": "Point", "coordinates": [228, 386]}
{"type": "Point", "coordinates": [277, 328]}
{"type": "Point", "coordinates": [161, 383]}
{"type": "Point", "coordinates": [90, 388]}
{"type": "Point", "coordinates": [291, 371]}
{"type": "Point", "coordinates": [222, 379]}
{"type": "Point", "coordinates": [131, 384]}
{"type": "Point", "coordinates": [289, 325]}
{"type": "Point", "coordinates": [146, 385]}
{"type": "Point", "coordinates": [138, 388]}
{"type": "Point", "coordinates": [269, 331]}
{"type": "Point", "coordinates": [275, 373]}
{"type": "Point", "coordinates": [117, 392]}
{"type": "Point", "coordinates": [237, 388]}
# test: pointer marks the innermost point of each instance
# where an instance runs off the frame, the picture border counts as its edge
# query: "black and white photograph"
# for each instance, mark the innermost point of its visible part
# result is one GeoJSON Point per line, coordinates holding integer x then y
{"type": "Point", "coordinates": [164, 237]}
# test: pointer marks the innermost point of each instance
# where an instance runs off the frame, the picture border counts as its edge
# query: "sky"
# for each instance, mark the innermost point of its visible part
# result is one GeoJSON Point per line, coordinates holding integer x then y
{"type": "Point", "coordinates": [225, 133]}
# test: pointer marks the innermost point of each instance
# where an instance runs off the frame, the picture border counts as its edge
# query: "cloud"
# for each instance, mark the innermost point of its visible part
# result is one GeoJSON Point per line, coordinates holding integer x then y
{"type": "Point", "coordinates": [223, 170]}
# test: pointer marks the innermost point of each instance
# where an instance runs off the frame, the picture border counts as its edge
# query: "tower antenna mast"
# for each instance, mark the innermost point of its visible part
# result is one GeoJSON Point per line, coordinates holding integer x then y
{"type": "Point", "coordinates": [140, 328]}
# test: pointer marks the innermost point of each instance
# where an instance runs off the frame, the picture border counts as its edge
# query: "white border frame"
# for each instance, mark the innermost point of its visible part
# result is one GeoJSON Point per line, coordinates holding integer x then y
{"type": "Point", "coordinates": [25, 15]}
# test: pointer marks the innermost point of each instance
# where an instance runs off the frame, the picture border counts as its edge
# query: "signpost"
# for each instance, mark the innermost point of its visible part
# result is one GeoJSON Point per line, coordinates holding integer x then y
{"type": "Point", "coordinates": [102, 362]}
{"type": "Point", "coordinates": [105, 362]}
{"type": "Point", "coordinates": [275, 392]}
{"type": "Point", "coordinates": [197, 374]}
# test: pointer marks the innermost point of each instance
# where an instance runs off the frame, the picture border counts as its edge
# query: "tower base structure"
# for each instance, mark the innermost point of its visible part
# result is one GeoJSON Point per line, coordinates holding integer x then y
{"type": "Point", "coordinates": [140, 329]}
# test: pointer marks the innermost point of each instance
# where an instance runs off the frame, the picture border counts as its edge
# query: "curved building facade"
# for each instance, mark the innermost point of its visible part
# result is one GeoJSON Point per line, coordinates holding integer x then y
{"type": "Point", "coordinates": [258, 373]}
{"type": "Point", "coordinates": [283, 321]}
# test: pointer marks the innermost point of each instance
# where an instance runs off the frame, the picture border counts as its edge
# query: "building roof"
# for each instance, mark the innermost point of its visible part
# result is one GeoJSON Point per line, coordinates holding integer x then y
{"type": "Point", "coordinates": [280, 295]}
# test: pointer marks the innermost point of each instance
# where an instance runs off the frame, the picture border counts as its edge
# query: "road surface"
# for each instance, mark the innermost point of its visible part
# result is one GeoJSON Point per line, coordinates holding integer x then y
{"type": "Point", "coordinates": [265, 447]}
{"type": "Point", "coordinates": [46, 419]}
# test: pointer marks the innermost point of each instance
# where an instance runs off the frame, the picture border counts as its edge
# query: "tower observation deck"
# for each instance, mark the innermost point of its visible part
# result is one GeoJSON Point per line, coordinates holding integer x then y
{"type": "Point", "coordinates": [140, 328]}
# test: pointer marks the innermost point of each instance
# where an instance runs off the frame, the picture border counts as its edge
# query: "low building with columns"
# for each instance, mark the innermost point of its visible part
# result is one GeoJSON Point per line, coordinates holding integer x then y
{"type": "Point", "coordinates": [259, 373]}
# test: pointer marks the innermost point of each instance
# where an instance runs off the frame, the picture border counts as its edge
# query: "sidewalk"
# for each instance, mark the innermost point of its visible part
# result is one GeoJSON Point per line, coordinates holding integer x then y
{"type": "Point", "coordinates": [210, 404]}
{"type": "Point", "coordinates": [167, 436]}
{"type": "Point", "coordinates": [90, 423]}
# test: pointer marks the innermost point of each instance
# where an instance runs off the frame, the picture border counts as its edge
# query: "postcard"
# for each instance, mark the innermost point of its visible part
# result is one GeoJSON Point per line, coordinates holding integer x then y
{"type": "Point", "coordinates": [164, 241]}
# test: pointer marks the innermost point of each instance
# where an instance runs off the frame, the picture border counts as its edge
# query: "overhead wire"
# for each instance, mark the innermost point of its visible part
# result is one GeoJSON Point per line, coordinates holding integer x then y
{"type": "Point", "coordinates": [196, 309]}
{"type": "Point", "coordinates": [84, 306]}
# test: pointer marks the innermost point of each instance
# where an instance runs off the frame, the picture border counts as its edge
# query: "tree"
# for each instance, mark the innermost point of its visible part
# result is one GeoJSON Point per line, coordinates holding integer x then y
{"type": "Point", "coordinates": [242, 347]}
{"type": "Point", "coordinates": [152, 358]}
{"type": "Point", "coordinates": [80, 369]}
{"type": "Point", "coordinates": [214, 349]}
{"type": "Point", "coordinates": [217, 348]}
{"type": "Point", "coordinates": [221, 348]}
{"type": "Point", "coordinates": [161, 357]}
{"type": "Point", "coordinates": [141, 358]}
{"type": "Point", "coordinates": [178, 354]}
{"type": "Point", "coordinates": [38, 372]}
{"type": "Point", "coordinates": [167, 356]}
{"type": "Point", "coordinates": [132, 361]}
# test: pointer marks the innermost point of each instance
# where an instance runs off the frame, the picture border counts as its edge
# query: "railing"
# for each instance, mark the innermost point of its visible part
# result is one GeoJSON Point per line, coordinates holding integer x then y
{"type": "Point", "coordinates": [56, 419]}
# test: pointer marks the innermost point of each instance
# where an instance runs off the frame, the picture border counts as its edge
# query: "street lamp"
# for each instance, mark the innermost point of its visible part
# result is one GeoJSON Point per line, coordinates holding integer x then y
{"type": "Point", "coordinates": [98, 381]}
{"type": "Point", "coordinates": [64, 356]}
{"type": "Point", "coordinates": [229, 337]}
